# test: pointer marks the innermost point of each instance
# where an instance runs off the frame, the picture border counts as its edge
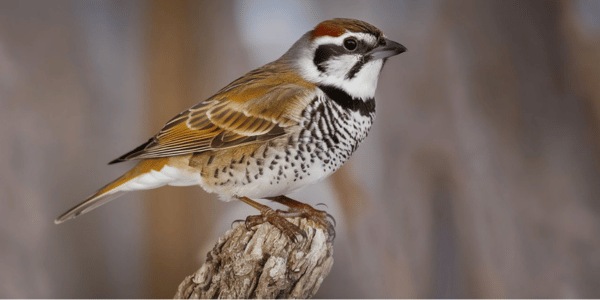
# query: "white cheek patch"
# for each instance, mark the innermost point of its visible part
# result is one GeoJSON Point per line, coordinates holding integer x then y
{"type": "Point", "coordinates": [363, 85]}
{"type": "Point", "coordinates": [338, 67]}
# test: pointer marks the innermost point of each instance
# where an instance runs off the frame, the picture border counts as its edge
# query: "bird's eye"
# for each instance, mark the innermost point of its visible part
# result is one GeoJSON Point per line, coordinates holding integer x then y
{"type": "Point", "coordinates": [350, 44]}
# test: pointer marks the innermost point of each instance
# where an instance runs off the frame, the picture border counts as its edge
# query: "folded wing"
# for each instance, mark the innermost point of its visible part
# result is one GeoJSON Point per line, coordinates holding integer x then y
{"type": "Point", "coordinates": [247, 111]}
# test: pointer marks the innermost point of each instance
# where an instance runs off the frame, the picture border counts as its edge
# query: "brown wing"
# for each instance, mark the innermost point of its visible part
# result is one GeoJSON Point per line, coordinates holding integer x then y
{"type": "Point", "coordinates": [254, 108]}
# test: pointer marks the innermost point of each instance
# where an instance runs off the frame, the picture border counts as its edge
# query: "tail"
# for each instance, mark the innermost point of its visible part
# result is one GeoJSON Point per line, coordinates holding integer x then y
{"type": "Point", "coordinates": [148, 174]}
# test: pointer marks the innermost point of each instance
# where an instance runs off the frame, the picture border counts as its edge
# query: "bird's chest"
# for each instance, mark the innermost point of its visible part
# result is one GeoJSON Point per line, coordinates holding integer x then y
{"type": "Point", "coordinates": [332, 133]}
{"type": "Point", "coordinates": [324, 139]}
{"type": "Point", "coordinates": [327, 137]}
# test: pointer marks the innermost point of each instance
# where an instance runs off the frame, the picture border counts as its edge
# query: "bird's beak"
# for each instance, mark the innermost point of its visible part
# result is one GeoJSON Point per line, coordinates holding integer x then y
{"type": "Point", "coordinates": [390, 48]}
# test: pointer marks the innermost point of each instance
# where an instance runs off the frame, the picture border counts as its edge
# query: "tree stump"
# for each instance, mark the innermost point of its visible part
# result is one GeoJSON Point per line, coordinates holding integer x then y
{"type": "Point", "coordinates": [263, 263]}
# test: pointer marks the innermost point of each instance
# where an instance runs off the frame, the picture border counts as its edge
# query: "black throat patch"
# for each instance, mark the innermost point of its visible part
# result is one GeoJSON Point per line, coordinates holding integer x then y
{"type": "Point", "coordinates": [346, 101]}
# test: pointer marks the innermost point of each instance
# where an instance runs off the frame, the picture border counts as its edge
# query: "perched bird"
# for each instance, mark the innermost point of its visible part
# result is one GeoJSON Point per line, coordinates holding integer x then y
{"type": "Point", "coordinates": [280, 127]}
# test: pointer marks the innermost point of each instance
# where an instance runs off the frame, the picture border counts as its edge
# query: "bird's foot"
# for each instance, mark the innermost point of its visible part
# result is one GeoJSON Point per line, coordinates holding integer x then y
{"type": "Point", "coordinates": [275, 218]}
{"type": "Point", "coordinates": [298, 209]}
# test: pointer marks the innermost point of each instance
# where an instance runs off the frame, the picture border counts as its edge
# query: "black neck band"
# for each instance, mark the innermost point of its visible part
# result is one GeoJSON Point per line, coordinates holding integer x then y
{"type": "Point", "coordinates": [339, 96]}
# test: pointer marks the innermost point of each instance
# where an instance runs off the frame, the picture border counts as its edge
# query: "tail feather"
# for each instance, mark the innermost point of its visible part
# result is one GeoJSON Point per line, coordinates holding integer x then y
{"type": "Point", "coordinates": [88, 205]}
{"type": "Point", "coordinates": [146, 175]}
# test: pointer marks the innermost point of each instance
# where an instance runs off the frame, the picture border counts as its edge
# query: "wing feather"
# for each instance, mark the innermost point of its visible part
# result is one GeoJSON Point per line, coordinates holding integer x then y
{"type": "Point", "coordinates": [246, 111]}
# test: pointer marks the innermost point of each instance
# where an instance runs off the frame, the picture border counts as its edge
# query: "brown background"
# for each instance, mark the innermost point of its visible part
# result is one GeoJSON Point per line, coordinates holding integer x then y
{"type": "Point", "coordinates": [481, 177]}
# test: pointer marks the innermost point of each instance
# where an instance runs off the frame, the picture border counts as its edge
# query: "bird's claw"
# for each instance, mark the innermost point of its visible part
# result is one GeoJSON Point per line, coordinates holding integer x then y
{"type": "Point", "coordinates": [274, 218]}
{"type": "Point", "coordinates": [320, 217]}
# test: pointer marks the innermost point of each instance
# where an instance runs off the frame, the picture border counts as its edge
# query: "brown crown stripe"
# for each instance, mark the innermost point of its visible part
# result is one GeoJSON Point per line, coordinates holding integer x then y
{"type": "Point", "coordinates": [337, 27]}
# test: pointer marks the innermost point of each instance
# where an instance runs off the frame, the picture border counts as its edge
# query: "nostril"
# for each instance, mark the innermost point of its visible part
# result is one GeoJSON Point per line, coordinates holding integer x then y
{"type": "Point", "coordinates": [382, 42]}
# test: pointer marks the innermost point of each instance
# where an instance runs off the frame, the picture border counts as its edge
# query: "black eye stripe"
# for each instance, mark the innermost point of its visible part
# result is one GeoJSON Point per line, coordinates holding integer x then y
{"type": "Point", "coordinates": [324, 52]}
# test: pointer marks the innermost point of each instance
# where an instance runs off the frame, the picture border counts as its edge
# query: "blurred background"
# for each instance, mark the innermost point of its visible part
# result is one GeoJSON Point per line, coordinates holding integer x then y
{"type": "Point", "coordinates": [480, 178]}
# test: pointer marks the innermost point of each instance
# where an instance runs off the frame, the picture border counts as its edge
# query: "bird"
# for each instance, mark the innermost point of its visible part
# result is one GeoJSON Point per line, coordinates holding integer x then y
{"type": "Point", "coordinates": [280, 127]}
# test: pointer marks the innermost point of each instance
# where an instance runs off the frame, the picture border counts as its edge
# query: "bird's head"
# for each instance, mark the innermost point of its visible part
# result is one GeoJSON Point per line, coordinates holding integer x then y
{"type": "Point", "coordinates": [344, 53]}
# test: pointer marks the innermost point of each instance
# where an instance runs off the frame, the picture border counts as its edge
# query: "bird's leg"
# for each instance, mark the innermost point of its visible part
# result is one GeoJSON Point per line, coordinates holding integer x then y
{"type": "Point", "coordinates": [299, 209]}
{"type": "Point", "coordinates": [267, 214]}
